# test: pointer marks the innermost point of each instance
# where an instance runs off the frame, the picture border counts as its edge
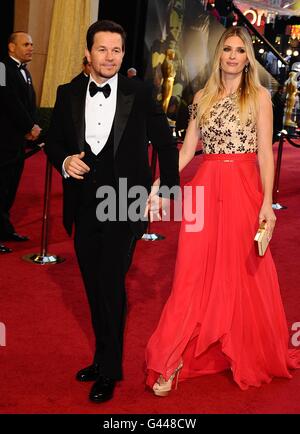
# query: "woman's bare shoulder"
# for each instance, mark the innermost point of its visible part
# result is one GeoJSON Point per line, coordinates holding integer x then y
{"type": "Point", "coordinates": [198, 96]}
{"type": "Point", "coordinates": [263, 94]}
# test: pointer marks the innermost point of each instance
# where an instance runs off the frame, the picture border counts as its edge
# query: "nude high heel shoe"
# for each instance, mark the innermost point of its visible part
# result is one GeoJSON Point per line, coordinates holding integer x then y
{"type": "Point", "coordinates": [162, 387]}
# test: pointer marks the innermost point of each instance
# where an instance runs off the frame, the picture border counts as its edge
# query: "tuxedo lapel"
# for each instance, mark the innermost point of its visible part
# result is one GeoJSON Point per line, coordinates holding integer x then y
{"type": "Point", "coordinates": [24, 88]}
{"type": "Point", "coordinates": [23, 84]}
{"type": "Point", "coordinates": [29, 87]}
{"type": "Point", "coordinates": [78, 111]}
{"type": "Point", "coordinates": [125, 98]}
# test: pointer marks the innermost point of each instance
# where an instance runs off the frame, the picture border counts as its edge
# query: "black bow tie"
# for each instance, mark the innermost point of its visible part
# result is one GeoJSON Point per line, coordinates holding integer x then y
{"type": "Point", "coordinates": [94, 89]}
{"type": "Point", "coordinates": [23, 66]}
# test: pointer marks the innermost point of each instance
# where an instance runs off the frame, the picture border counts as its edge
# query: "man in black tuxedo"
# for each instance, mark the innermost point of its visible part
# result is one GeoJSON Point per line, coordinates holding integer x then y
{"type": "Point", "coordinates": [99, 137]}
{"type": "Point", "coordinates": [18, 124]}
{"type": "Point", "coordinates": [85, 70]}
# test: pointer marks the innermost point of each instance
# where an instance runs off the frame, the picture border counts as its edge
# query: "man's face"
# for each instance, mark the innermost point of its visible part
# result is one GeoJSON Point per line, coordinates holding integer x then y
{"type": "Point", "coordinates": [106, 55]}
{"type": "Point", "coordinates": [21, 48]}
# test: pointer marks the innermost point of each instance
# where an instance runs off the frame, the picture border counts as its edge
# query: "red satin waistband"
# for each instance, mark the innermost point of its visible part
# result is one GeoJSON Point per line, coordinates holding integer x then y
{"type": "Point", "coordinates": [230, 158]}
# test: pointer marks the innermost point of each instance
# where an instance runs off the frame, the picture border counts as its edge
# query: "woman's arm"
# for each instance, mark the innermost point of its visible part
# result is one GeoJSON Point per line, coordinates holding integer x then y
{"type": "Point", "coordinates": [186, 154]}
{"type": "Point", "coordinates": [266, 158]}
{"type": "Point", "coordinates": [190, 142]}
{"type": "Point", "coordinates": [191, 139]}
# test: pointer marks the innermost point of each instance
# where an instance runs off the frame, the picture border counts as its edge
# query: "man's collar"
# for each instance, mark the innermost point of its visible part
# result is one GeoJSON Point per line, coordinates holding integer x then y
{"type": "Point", "coordinates": [16, 60]}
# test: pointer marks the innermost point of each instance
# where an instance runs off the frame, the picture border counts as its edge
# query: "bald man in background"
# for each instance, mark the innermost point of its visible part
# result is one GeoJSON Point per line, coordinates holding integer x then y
{"type": "Point", "coordinates": [18, 124]}
{"type": "Point", "coordinates": [132, 73]}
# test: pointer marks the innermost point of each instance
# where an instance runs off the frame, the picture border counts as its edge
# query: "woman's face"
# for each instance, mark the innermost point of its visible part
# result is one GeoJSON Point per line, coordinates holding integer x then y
{"type": "Point", "coordinates": [233, 58]}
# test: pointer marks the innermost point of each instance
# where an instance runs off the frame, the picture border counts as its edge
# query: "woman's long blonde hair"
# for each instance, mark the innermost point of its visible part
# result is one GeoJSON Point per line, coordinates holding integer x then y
{"type": "Point", "coordinates": [249, 86]}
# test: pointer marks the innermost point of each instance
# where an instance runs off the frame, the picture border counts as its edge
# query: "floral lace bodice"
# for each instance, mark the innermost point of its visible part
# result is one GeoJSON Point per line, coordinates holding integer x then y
{"type": "Point", "coordinates": [222, 132]}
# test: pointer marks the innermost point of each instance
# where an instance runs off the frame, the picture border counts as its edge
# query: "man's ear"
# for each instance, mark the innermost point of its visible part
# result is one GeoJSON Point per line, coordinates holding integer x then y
{"type": "Point", "coordinates": [11, 47]}
{"type": "Point", "coordinates": [87, 55]}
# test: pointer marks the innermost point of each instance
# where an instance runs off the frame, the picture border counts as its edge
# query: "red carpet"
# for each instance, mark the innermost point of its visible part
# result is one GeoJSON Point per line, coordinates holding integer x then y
{"type": "Point", "coordinates": [48, 332]}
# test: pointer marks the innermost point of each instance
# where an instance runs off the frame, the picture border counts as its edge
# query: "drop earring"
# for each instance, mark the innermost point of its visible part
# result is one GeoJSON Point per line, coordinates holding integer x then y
{"type": "Point", "coordinates": [246, 68]}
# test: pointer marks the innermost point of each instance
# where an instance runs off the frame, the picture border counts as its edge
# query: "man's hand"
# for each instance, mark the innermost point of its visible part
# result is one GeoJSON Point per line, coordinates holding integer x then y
{"type": "Point", "coordinates": [34, 133]}
{"type": "Point", "coordinates": [75, 167]}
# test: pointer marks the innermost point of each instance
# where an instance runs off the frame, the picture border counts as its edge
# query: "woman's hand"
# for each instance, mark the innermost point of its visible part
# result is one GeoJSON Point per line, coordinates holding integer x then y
{"type": "Point", "coordinates": [267, 214]}
{"type": "Point", "coordinates": [156, 205]}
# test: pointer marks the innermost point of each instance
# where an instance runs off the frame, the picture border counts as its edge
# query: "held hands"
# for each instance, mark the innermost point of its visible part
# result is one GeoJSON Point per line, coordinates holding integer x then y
{"type": "Point", "coordinates": [267, 214]}
{"type": "Point", "coordinates": [34, 133]}
{"type": "Point", "coordinates": [75, 167]}
{"type": "Point", "coordinates": [156, 205]}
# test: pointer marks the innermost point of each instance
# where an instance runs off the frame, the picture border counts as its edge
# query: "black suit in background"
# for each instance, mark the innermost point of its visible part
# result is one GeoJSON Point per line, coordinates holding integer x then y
{"type": "Point", "coordinates": [17, 117]}
{"type": "Point", "coordinates": [80, 76]}
{"type": "Point", "coordinates": [102, 248]}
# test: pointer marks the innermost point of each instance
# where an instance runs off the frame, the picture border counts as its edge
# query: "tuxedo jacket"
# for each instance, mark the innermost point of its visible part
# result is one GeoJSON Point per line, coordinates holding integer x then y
{"type": "Point", "coordinates": [17, 110]}
{"type": "Point", "coordinates": [138, 120]}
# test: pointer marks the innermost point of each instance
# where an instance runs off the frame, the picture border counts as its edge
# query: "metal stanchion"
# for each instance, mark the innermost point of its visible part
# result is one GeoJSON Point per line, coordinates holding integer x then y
{"type": "Point", "coordinates": [148, 236]}
{"type": "Point", "coordinates": [44, 257]}
{"type": "Point", "coordinates": [284, 135]}
{"type": "Point", "coordinates": [275, 204]}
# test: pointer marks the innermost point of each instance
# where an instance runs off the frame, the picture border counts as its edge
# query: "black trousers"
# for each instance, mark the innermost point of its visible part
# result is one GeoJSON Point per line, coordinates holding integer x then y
{"type": "Point", "coordinates": [103, 250]}
{"type": "Point", "coordinates": [10, 175]}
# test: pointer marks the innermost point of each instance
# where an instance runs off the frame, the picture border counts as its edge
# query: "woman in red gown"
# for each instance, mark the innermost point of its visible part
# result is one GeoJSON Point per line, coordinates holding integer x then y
{"type": "Point", "coordinates": [225, 309]}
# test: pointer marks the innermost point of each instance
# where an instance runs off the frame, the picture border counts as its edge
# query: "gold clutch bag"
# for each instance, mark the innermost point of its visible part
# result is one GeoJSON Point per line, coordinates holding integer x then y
{"type": "Point", "coordinates": [261, 239]}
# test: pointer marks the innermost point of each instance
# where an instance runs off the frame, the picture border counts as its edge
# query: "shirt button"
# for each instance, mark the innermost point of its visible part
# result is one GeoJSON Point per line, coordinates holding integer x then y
{"type": "Point", "coordinates": [98, 141]}
{"type": "Point", "coordinates": [99, 123]}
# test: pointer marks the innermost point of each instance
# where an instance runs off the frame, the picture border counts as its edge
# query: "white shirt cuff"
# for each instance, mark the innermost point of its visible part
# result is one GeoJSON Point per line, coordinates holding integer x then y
{"type": "Point", "coordinates": [63, 171]}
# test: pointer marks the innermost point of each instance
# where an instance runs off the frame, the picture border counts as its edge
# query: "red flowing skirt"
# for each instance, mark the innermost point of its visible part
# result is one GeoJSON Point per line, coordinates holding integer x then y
{"type": "Point", "coordinates": [225, 309]}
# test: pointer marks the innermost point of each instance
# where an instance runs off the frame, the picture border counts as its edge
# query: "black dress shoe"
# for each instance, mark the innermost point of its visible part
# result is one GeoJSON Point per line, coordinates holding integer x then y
{"type": "Point", "coordinates": [14, 237]}
{"type": "Point", "coordinates": [4, 249]}
{"type": "Point", "coordinates": [102, 390]}
{"type": "Point", "coordinates": [90, 373]}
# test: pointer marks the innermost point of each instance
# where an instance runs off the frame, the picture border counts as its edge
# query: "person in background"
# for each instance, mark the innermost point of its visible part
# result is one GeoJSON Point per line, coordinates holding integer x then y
{"type": "Point", "coordinates": [86, 67]}
{"type": "Point", "coordinates": [18, 124]}
{"type": "Point", "coordinates": [86, 70]}
{"type": "Point", "coordinates": [132, 73]}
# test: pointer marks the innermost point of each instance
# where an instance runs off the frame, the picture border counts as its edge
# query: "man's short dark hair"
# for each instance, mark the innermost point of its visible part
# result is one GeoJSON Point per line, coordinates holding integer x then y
{"type": "Point", "coordinates": [104, 26]}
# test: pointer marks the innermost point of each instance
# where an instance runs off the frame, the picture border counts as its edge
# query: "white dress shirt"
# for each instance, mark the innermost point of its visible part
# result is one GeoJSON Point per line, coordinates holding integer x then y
{"type": "Point", "coordinates": [99, 115]}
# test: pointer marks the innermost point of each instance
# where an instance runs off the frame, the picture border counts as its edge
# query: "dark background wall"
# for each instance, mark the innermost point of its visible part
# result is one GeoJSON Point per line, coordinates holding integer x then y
{"type": "Point", "coordinates": [6, 24]}
{"type": "Point", "coordinates": [132, 16]}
